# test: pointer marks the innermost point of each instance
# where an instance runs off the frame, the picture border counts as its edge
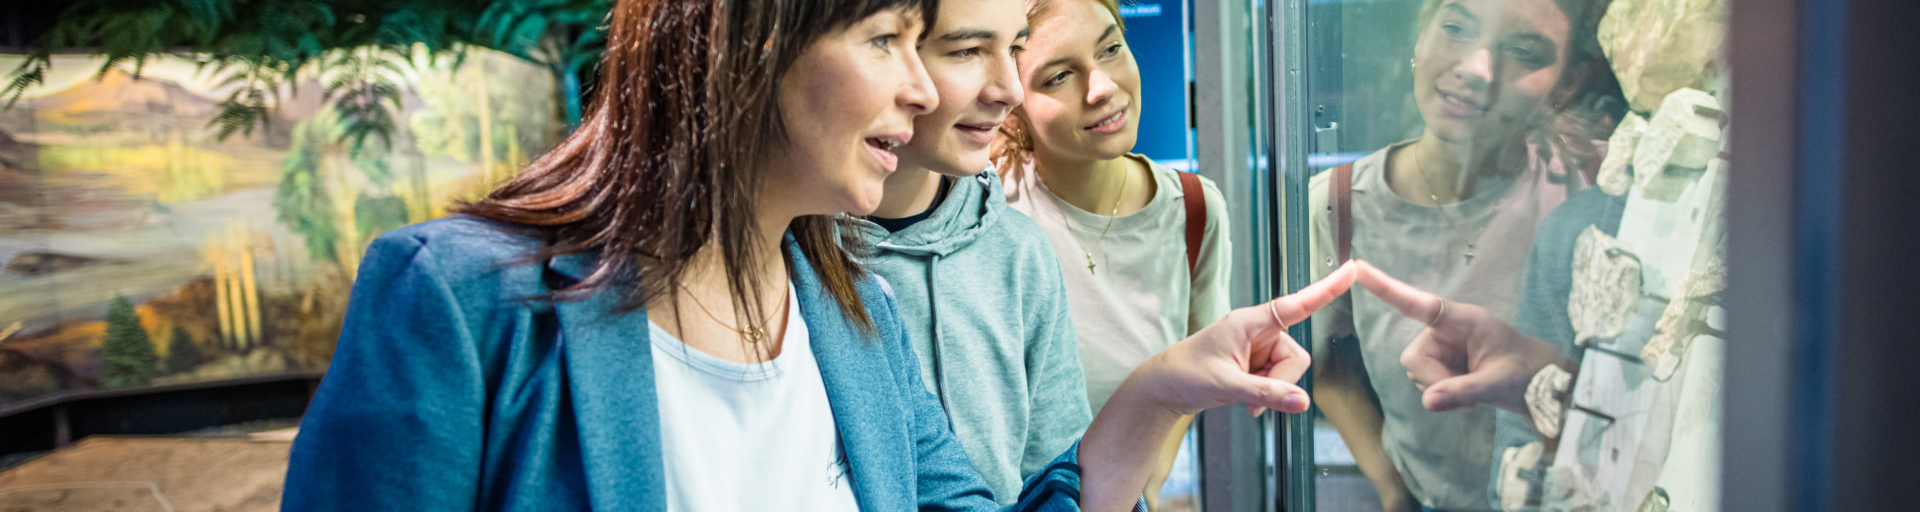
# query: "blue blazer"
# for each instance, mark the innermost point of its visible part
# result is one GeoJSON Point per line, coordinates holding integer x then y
{"type": "Point", "coordinates": [451, 389]}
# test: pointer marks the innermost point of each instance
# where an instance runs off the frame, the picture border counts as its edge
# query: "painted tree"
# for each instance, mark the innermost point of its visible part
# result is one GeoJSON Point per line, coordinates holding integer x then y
{"type": "Point", "coordinates": [182, 354]}
{"type": "Point", "coordinates": [302, 202]}
{"type": "Point", "coordinates": [477, 124]}
{"type": "Point", "coordinates": [127, 357]}
{"type": "Point", "coordinates": [373, 215]}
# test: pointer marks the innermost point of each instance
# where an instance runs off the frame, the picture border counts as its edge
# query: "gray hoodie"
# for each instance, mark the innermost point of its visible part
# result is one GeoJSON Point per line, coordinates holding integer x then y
{"type": "Point", "coordinates": [980, 292]}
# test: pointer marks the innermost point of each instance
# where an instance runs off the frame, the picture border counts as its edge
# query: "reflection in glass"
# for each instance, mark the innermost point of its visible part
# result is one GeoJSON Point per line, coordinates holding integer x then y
{"type": "Point", "coordinates": [1543, 176]}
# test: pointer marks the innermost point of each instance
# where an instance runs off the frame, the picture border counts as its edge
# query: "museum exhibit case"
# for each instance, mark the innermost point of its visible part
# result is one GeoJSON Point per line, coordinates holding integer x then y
{"type": "Point", "coordinates": [1553, 171]}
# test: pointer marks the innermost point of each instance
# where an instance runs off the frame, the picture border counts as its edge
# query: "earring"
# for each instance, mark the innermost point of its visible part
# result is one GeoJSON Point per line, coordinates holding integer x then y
{"type": "Point", "coordinates": [1412, 64]}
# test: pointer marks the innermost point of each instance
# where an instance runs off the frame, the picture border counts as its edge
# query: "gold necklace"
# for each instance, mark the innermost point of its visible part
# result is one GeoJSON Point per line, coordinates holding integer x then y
{"type": "Point", "coordinates": [753, 335]}
{"type": "Point", "coordinates": [1428, 181]}
{"type": "Point", "coordinates": [1102, 241]}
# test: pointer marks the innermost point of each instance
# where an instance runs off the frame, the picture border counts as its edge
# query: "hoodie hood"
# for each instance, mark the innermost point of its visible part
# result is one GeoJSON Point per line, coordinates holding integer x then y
{"type": "Point", "coordinates": [960, 217]}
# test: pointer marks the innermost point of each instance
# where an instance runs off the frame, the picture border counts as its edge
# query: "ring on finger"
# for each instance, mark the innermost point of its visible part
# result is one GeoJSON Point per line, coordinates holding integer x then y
{"type": "Point", "coordinates": [1276, 316]}
{"type": "Point", "coordinates": [1438, 314]}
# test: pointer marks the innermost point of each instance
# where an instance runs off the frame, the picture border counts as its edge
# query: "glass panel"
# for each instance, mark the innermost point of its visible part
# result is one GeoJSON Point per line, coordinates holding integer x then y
{"type": "Point", "coordinates": [1538, 183]}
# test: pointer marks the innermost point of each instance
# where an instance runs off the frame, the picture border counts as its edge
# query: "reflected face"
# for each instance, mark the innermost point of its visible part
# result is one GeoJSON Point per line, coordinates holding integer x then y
{"type": "Point", "coordinates": [970, 55]}
{"type": "Point", "coordinates": [1083, 86]}
{"type": "Point", "coordinates": [1484, 68]}
{"type": "Point", "coordinates": [847, 103]}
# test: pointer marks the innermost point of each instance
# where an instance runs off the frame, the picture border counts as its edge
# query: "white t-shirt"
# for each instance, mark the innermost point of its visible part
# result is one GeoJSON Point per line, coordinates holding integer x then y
{"type": "Point", "coordinates": [737, 436]}
{"type": "Point", "coordinates": [1140, 298]}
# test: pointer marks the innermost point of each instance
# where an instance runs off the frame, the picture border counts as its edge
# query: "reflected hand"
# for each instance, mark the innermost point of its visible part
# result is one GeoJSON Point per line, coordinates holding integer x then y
{"type": "Point", "coordinates": [1247, 356]}
{"type": "Point", "coordinates": [1465, 357]}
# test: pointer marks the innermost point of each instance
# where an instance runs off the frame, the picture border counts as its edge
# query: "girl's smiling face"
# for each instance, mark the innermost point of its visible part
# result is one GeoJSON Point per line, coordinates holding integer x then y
{"type": "Point", "coordinates": [1484, 68]}
{"type": "Point", "coordinates": [1083, 86]}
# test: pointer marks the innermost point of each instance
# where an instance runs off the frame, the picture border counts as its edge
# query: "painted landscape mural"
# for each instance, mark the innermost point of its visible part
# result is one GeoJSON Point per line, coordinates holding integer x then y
{"type": "Point", "coordinates": [137, 248]}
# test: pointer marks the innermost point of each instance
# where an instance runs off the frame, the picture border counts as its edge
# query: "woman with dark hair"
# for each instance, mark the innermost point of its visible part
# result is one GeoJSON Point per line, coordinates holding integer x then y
{"type": "Point", "coordinates": [1512, 93]}
{"type": "Point", "coordinates": [659, 314]}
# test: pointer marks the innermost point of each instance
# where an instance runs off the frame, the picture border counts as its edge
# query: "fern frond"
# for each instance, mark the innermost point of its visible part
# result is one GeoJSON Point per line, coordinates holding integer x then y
{"type": "Point", "coordinates": [30, 73]}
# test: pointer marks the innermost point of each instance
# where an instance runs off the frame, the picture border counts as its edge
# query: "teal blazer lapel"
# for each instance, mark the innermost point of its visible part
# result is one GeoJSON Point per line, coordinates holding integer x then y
{"type": "Point", "coordinates": [610, 371]}
{"type": "Point", "coordinates": [851, 362]}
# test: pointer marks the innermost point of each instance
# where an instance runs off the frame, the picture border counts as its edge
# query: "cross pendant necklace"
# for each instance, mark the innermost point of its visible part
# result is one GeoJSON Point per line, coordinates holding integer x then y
{"type": "Point", "coordinates": [1438, 208]}
{"type": "Point", "coordinates": [1115, 213]}
{"type": "Point", "coordinates": [1469, 254]}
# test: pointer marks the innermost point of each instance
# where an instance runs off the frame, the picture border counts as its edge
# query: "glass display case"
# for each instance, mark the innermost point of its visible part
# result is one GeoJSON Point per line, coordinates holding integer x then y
{"type": "Point", "coordinates": [1538, 186]}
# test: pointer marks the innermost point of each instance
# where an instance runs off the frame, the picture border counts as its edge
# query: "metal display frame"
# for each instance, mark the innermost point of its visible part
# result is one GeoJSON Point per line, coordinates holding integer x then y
{"type": "Point", "coordinates": [1246, 62]}
{"type": "Point", "coordinates": [1228, 143]}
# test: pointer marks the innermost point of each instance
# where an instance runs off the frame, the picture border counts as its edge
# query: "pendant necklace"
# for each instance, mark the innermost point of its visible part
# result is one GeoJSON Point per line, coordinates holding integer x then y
{"type": "Point", "coordinates": [1098, 242]}
{"type": "Point", "coordinates": [753, 335]}
{"type": "Point", "coordinates": [1435, 199]}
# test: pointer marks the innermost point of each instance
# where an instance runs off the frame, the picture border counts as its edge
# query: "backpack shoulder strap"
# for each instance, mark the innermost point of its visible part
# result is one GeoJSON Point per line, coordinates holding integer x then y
{"type": "Point", "coordinates": [1195, 198]}
{"type": "Point", "coordinates": [1340, 208]}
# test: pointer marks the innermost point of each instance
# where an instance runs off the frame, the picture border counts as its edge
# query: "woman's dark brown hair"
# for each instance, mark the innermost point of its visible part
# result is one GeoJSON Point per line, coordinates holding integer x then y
{"type": "Point", "coordinates": [665, 161]}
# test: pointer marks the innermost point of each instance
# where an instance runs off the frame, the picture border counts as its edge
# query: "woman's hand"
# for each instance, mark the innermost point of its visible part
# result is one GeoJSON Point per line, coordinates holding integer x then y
{"type": "Point", "coordinates": [1465, 357]}
{"type": "Point", "coordinates": [1246, 356]}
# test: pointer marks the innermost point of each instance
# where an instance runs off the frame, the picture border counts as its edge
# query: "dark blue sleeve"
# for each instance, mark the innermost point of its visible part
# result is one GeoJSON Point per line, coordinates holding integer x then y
{"type": "Point", "coordinates": [397, 422]}
{"type": "Point", "coordinates": [1056, 488]}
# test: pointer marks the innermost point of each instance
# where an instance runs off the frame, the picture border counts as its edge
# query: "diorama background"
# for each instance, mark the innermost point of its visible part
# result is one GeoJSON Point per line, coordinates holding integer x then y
{"type": "Point", "coordinates": [137, 249]}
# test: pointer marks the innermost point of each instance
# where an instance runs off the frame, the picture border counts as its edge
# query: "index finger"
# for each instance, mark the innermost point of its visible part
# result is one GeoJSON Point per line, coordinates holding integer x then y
{"type": "Point", "coordinates": [1296, 307]}
{"type": "Point", "coordinates": [1412, 302]}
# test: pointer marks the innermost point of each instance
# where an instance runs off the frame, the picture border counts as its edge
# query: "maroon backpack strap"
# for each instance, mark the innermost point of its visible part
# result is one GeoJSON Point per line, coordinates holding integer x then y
{"type": "Point", "coordinates": [1340, 208]}
{"type": "Point", "coordinates": [1196, 200]}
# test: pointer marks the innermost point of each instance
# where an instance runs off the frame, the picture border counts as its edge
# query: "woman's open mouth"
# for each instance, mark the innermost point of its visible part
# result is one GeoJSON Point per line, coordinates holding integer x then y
{"type": "Point", "coordinates": [881, 147]}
